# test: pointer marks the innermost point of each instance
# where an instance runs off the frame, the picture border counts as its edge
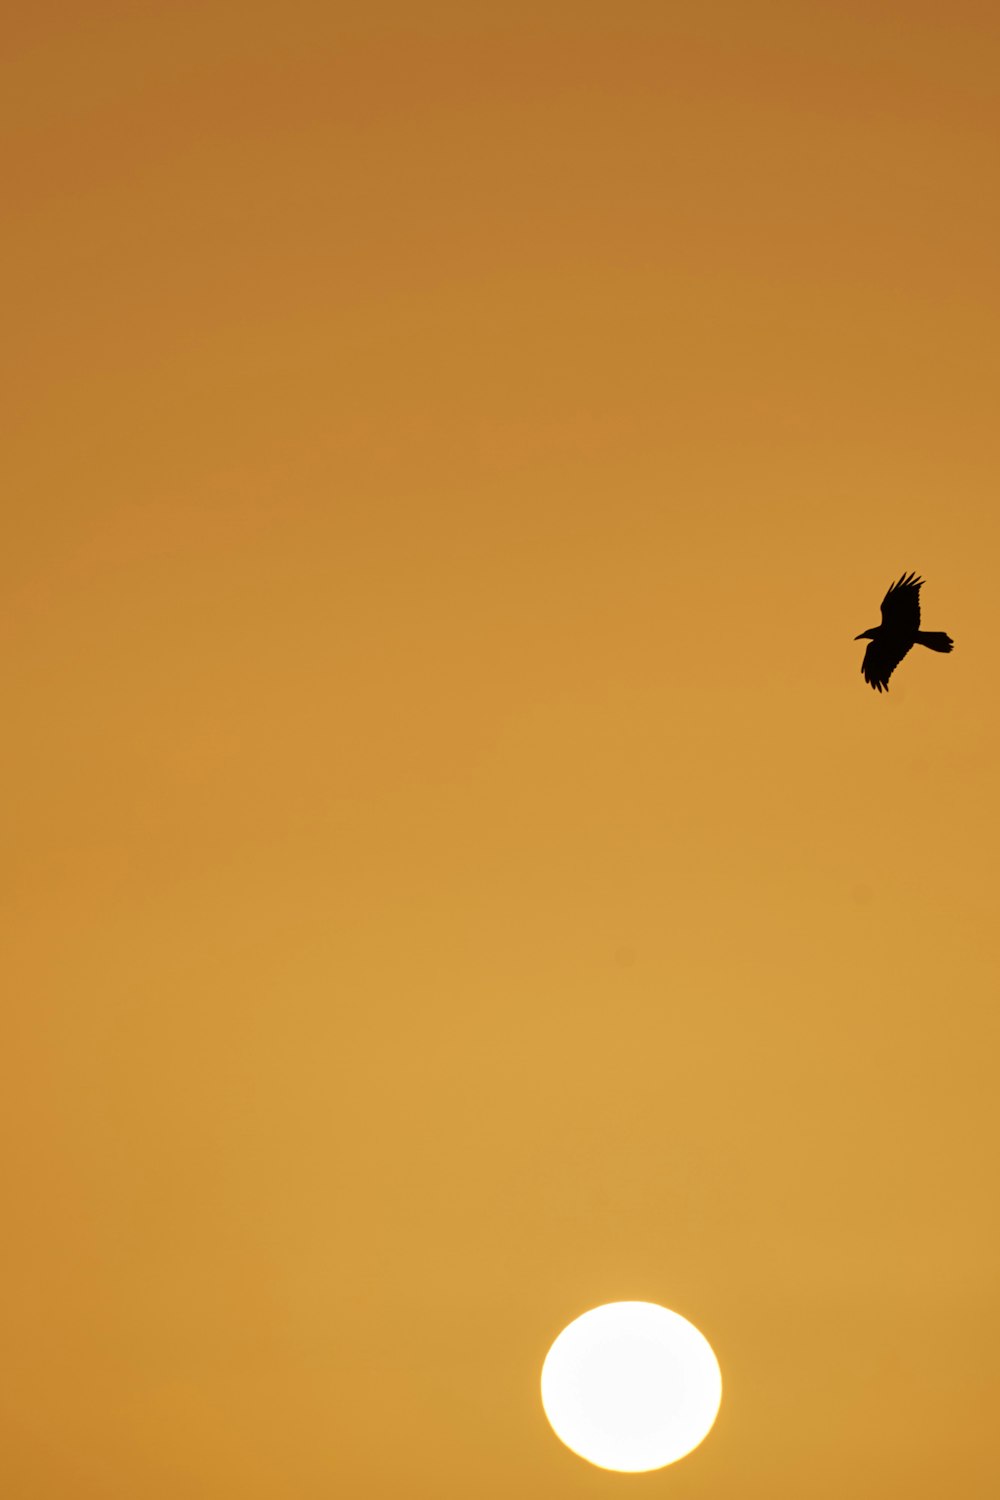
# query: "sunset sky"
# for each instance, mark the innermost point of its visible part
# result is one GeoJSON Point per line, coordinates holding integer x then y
{"type": "Point", "coordinates": [454, 871]}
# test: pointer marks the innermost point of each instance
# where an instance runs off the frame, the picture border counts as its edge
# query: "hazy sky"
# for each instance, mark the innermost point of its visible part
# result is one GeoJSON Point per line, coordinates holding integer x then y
{"type": "Point", "coordinates": [455, 873]}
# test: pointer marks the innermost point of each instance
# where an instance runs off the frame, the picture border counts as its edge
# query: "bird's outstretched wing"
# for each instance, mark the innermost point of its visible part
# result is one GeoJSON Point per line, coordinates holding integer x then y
{"type": "Point", "coordinates": [882, 658]}
{"type": "Point", "coordinates": [901, 608]}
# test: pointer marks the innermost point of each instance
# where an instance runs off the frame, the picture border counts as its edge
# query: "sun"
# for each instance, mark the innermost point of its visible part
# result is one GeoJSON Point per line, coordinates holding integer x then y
{"type": "Point", "coordinates": [631, 1386]}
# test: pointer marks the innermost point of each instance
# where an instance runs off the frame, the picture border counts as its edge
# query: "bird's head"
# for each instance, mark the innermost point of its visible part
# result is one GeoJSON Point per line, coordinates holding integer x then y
{"type": "Point", "coordinates": [867, 635]}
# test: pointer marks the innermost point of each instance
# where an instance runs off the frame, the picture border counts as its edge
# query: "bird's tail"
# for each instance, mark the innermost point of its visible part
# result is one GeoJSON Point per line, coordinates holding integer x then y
{"type": "Point", "coordinates": [935, 639]}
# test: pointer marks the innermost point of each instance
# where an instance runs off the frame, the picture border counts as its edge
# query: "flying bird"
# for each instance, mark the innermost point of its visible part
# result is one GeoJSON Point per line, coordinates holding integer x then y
{"type": "Point", "coordinates": [899, 630]}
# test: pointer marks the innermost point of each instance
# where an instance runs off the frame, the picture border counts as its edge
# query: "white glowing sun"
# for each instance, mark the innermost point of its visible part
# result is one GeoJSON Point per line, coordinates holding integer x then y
{"type": "Point", "coordinates": [631, 1386]}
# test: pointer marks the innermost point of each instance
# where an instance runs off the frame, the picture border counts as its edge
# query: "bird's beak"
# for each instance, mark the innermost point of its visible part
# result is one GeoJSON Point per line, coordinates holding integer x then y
{"type": "Point", "coordinates": [865, 635]}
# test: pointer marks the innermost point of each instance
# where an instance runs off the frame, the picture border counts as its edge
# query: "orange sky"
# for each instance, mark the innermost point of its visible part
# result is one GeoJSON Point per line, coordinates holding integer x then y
{"type": "Point", "coordinates": [455, 872]}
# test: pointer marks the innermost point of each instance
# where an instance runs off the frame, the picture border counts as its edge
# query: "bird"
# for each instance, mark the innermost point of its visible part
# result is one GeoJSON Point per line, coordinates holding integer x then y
{"type": "Point", "coordinates": [899, 630]}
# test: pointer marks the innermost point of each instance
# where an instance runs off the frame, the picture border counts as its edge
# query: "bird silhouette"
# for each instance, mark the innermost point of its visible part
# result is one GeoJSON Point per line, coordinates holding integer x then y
{"type": "Point", "coordinates": [899, 630]}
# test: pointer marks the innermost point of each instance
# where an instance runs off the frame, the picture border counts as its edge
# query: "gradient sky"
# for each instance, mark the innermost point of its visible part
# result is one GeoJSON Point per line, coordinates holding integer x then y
{"type": "Point", "coordinates": [455, 873]}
